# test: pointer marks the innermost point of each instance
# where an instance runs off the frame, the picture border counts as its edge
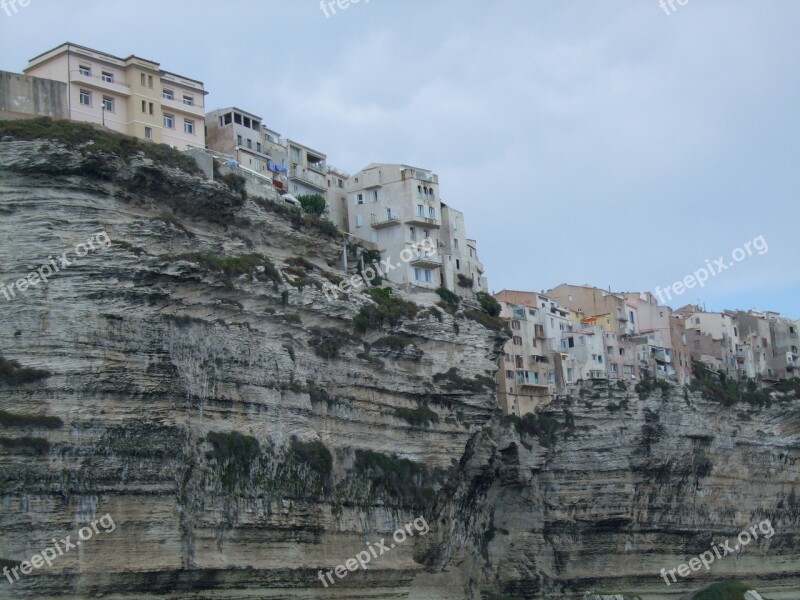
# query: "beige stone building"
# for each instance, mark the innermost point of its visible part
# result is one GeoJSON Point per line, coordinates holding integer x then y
{"type": "Point", "coordinates": [131, 95]}
{"type": "Point", "coordinates": [396, 207]}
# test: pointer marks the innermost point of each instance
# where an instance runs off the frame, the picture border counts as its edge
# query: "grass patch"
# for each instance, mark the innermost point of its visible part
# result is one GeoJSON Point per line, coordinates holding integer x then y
{"type": "Point", "coordinates": [8, 419]}
{"type": "Point", "coordinates": [422, 416]}
{"type": "Point", "coordinates": [234, 453]}
{"type": "Point", "coordinates": [326, 343]}
{"type": "Point", "coordinates": [26, 445]}
{"type": "Point", "coordinates": [388, 309]}
{"type": "Point", "coordinates": [649, 385]}
{"type": "Point", "coordinates": [13, 373]}
{"type": "Point", "coordinates": [394, 342]}
{"type": "Point", "coordinates": [449, 300]}
{"type": "Point", "coordinates": [488, 321]}
{"type": "Point", "coordinates": [725, 590]}
{"type": "Point", "coordinates": [315, 455]}
{"type": "Point", "coordinates": [79, 135]}
{"type": "Point", "coordinates": [235, 266]}
{"type": "Point", "coordinates": [543, 427]}
{"type": "Point", "coordinates": [451, 381]}
{"type": "Point", "coordinates": [394, 478]}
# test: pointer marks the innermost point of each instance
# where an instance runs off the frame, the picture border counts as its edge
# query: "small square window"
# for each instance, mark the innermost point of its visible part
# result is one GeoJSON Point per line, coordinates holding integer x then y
{"type": "Point", "coordinates": [188, 126]}
{"type": "Point", "coordinates": [108, 77]}
{"type": "Point", "coordinates": [169, 121]}
{"type": "Point", "coordinates": [168, 95]}
{"type": "Point", "coordinates": [108, 104]}
{"type": "Point", "coordinates": [84, 70]}
{"type": "Point", "coordinates": [86, 97]}
{"type": "Point", "coordinates": [148, 133]}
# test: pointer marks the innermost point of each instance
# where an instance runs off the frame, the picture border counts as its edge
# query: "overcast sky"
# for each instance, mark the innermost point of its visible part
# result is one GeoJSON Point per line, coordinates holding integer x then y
{"type": "Point", "coordinates": [586, 142]}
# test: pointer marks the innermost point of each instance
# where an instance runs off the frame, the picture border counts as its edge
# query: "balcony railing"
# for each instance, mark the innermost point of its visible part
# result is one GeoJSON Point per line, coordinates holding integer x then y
{"type": "Point", "coordinates": [386, 222]}
{"type": "Point", "coordinates": [100, 82]}
{"type": "Point", "coordinates": [313, 179]}
{"type": "Point", "coordinates": [423, 221]}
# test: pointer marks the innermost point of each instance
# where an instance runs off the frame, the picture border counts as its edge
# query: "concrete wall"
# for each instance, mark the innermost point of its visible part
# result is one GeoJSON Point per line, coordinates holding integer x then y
{"type": "Point", "coordinates": [22, 95]}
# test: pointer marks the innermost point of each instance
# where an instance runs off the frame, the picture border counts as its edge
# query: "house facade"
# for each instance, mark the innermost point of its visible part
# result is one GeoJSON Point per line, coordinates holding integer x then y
{"type": "Point", "coordinates": [131, 95]}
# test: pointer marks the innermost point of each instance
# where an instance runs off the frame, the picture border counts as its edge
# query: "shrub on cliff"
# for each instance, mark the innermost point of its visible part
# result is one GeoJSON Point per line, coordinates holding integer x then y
{"type": "Point", "coordinates": [13, 373]}
{"type": "Point", "coordinates": [388, 309]}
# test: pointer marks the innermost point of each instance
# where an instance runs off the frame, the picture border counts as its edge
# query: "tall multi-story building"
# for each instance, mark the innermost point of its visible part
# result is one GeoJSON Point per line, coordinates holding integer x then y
{"type": "Point", "coordinates": [336, 197]}
{"type": "Point", "coordinates": [530, 371]}
{"type": "Point", "coordinates": [396, 207]}
{"type": "Point", "coordinates": [713, 339]}
{"type": "Point", "coordinates": [129, 95]}
{"type": "Point", "coordinates": [462, 272]}
{"type": "Point", "coordinates": [785, 362]}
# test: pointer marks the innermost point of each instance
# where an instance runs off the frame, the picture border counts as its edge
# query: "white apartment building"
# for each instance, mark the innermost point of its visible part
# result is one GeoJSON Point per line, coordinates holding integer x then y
{"type": "Point", "coordinates": [129, 95]}
{"type": "Point", "coordinates": [397, 206]}
{"type": "Point", "coordinates": [461, 270]}
{"type": "Point", "coordinates": [583, 351]}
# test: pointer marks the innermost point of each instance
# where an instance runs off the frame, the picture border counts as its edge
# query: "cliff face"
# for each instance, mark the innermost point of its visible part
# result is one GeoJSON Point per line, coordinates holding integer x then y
{"type": "Point", "coordinates": [602, 492]}
{"type": "Point", "coordinates": [192, 382]}
{"type": "Point", "coordinates": [221, 410]}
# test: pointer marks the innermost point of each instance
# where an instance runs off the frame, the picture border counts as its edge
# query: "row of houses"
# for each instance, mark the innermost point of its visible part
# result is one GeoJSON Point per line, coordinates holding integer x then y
{"type": "Point", "coordinates": [391, 207]}
{"type": "Point", "coordinates": [574, 335]}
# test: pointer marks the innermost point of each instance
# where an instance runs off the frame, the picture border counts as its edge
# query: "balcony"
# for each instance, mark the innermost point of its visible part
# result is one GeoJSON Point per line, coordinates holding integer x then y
{"type": "Point", "coordinates": [423, 221]}
{"type": "Point", "coordinates": [424, 261]}
{"type": "Point", "coordinates": [387, 222]}
{"type": "Point", "coordinates": [530, 379]}
{"type": "Point", "coordinates": [540, 333]}
{"type": "Point", "coordinates": [94, 81]}
{"type": "Point", "coordinates": [311, 178]}
{"type": "Point", "coordinates": [196, 110]}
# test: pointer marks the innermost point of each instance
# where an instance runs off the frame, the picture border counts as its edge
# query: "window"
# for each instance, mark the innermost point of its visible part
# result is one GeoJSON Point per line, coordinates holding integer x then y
{"type": "Point", "coordinates": [144, 106]}
{"type": "Point", "coordinates": [627, 369]}
{"type": "Point", "coordinates": [425, 275]}
{"type": "Point", "coordinates": [86, 97]}
{"type": "Point", "coordinates": [458, 265]}
{"type": "Point", "coordinates": [561, 326]}
{"type": "Point", "coordinates": [508, 357]}
{"type": "Point", "coordinates": [84, 70]}
{"type": "Point", "coordinates": [188, 126]}
{"type": "Point", "coordinates": [455, 243]}
{"type": "Point", "coordinates": [249, 143]}
{"type": "Point", "coordinates": [632, 319]}
{"type": "Point", "coordinates": [169, 121]}
{"type": "Point", "coordinates": [168, 95]}
{"type": "Point", "coordinates": [614, 368]}
{"type": "Point", "coordinates": [426, 233]}
{"type": "Point", "coordinates": [188, 100]}
{"type": "Point", "coordinates": [148, 133]}
{"type": "Point", "coordinates": [413, 233]}
{"type": "Point", "coordinates": [142, 77]}
{"type": "Point", "coordinates": [360, 199]}
{"type": "Point", "coordinates": [150, 81]}
{"type": "Point", "coordinates": [239, 140]}
{"type": "Point", "coordinates": [517, 340]}
{"type": "Point", "coordinates": [696, 345]}
{"type": "Point", "coordinates": [420, 210]}
{"type": "Point", "coordinates": [697, 320]}
{"type": "Point", "coordinates": [431, 212]}
{"type": "Point", "coordinates": [520, 362]}
{"type": "Point", "coordinates": [389, 215]}
{"type": "Point", "coordinates": [509, 374]}
{"type": "Point", "coordinates": [515, 325]}
{"type": "Point", "coordinates": [359, 220]}
{"type": "Point", "coordinates": [108, 104]}
{"type": "Point", "coordinates": [570, 374]}
{"type": "Point", "coordinates": [374, 195]}
{"type": "Point", "coordinates": [258, 146]}
{"type": "Point", "coordinates": [151, 108]}
{"type": "Point", "coordinates": [108, 77]}
{"type": "Point", "coordinates": [582, 340]}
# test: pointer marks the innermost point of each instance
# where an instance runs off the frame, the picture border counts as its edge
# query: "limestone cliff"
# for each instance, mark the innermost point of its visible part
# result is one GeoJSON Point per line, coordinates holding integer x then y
{"type": "Point", "coordinates": [193, 382]}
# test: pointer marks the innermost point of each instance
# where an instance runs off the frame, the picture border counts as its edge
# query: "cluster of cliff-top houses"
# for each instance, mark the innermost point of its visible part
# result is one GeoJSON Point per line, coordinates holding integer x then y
{"type": "Point", "coordinates": [562, 339]}
{"type": "Point", "coordinates": [388, 207]}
